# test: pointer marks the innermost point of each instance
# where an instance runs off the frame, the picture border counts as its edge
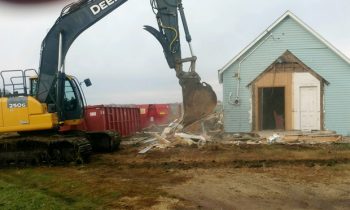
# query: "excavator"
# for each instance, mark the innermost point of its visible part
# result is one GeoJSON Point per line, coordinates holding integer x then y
{"type": "Point", "coordinates": [34, 106]}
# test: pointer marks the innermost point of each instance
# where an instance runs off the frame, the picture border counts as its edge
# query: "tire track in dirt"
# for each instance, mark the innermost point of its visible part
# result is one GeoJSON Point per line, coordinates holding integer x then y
{"type": "Point", "coordinates": [185, 165]}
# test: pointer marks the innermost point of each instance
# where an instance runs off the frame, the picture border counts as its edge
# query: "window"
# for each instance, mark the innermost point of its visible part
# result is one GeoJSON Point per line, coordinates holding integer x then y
{"type": "Point", "coordinates": [33, 86]}
{"type": "Point", "coordinates": [70, 99]}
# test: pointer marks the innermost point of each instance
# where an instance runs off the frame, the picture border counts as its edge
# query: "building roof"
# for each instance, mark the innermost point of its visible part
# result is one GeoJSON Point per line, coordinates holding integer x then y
{"type": "Point", "coordinates": [277, 22]}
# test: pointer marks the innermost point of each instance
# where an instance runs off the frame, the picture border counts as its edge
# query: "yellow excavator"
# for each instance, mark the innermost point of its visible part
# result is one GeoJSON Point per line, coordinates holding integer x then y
{"type": "Point", "coordinates": [37, 105]}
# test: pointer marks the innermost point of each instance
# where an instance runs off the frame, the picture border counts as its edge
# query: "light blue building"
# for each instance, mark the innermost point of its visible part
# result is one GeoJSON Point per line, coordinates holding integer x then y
{"type": "Point", "coordinates": [288, 78]}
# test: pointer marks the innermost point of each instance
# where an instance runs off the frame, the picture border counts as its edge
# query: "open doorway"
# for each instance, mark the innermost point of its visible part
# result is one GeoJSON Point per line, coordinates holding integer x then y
{"type": "Point", "coordinates": [272, 108]}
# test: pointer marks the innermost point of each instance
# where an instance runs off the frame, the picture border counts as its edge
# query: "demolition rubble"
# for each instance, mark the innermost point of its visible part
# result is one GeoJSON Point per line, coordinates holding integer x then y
{"type": "Point", "coordinates": [210, 131]}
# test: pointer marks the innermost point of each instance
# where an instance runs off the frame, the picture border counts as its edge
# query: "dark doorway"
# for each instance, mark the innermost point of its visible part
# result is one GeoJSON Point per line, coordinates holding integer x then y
{"type": "Point", "coordinates": [271, 108]}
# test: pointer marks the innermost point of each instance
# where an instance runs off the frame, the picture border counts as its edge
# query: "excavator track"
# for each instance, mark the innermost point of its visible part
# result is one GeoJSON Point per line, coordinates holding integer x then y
{"type": "Point", "coordinates": [16, 150]}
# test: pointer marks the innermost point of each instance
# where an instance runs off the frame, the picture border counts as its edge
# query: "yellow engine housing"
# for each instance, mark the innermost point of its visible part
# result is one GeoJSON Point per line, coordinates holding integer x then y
{"type": "Point", "coordinates": [25, 113]}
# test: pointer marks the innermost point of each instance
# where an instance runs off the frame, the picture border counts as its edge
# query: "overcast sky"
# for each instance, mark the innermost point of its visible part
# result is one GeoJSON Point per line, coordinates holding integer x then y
{"type": "Point", "coordinates": [127, 65]}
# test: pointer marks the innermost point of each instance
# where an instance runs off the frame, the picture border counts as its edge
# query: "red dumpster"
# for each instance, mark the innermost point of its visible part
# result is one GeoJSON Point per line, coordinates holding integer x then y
{"type": "Point", "coordinates": [122, 119]}
{"type": "Point", "coordinates": [158, 114]}
{"type": "Point", "coordinates": [105, 124]}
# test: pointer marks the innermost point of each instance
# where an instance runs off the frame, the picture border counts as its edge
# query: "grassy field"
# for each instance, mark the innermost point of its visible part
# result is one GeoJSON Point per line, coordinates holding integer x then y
{"type": "Point", "coordinates": [42, 188]}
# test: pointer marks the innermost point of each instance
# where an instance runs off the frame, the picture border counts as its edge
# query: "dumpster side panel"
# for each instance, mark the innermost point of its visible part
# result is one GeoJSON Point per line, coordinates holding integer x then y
{"type": "Point", "coordinates": [124, 120]}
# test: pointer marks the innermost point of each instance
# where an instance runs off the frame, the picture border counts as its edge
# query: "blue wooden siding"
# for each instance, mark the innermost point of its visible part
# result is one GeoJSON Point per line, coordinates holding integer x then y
{"type": "Point", "coordinates": [289, 35]}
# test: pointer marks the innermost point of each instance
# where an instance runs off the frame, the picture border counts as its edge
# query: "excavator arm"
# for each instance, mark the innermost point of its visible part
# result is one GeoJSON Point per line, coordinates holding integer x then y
{"type": "Point", "coordinates": [198, 97]}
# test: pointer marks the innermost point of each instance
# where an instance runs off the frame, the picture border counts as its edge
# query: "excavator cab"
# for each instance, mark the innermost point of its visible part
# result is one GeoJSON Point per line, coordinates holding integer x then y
{"type": "Point", "coordinates": [23, 111]}
{"type": "Point", "coordinates": [73, 101]}
{"type": "Point", "coordinates": [71, 108]}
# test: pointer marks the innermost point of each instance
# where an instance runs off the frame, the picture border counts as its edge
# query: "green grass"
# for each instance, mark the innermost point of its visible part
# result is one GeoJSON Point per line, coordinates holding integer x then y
{"type": "Point", "coordinates": [33, 189]}
{"type": "Point", "coordinates": [20, 197]}
{"type": "Point", "coordinates": [77, 188]}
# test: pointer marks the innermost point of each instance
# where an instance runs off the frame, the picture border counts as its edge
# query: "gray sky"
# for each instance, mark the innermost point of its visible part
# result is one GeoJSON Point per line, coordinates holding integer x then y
{"type": "Point", "coordinates": [126, 64]}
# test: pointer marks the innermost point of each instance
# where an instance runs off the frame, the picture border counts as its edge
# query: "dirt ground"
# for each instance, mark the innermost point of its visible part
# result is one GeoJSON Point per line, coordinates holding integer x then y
{"type": "Point", "coordinates": [252, 176]}
{"type": "Point", "coordinates": [186, 177]}
{"type": "Point", "coordinates": [275, 188]}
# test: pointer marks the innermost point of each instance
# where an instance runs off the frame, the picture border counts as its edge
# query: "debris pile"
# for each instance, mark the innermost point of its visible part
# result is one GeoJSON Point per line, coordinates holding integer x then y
{"type": "Point", "coordinates": [197, 134]}
{"type": "Point", "coordinates": [312, 138]}
{"type": "Point", "coordinates": [210, 125]}
{"type": "Point", "coordinates": [302, 137]}
{"type": "Point", "coordinates": [150, 140]}
{"type": "Point", "coordinates": [210, 130]}
{"type": "Point", "coordinates": [238, 138]}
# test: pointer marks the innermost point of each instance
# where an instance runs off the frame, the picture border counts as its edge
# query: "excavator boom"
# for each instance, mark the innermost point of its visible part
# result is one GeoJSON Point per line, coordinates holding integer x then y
{"type": "Point", "coordinates": [74, 19]}
{"type": "Point", "coordinates": [198, 98]}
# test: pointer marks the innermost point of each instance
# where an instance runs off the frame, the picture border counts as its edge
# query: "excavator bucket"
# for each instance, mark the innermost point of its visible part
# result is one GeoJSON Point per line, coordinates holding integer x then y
{"type": "Point", "coordinates": [199, 100]}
